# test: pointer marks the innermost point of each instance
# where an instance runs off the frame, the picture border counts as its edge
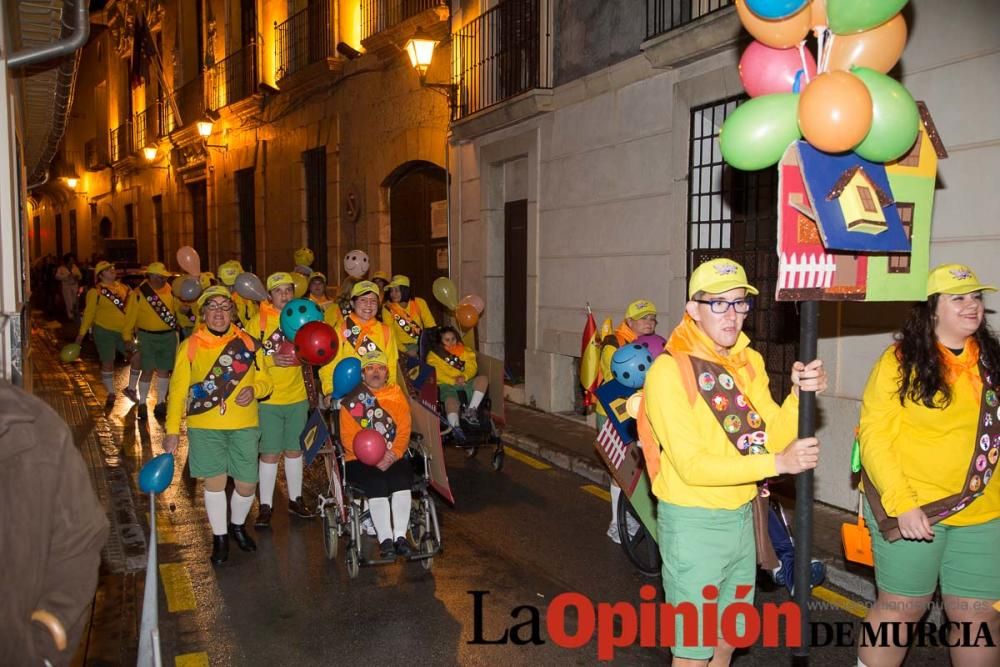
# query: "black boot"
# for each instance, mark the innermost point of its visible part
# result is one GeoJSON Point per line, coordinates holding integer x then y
{"type": "Point", "coordinates": [220, 549]}
{"type": "Point", "coordinates": [243, 541]}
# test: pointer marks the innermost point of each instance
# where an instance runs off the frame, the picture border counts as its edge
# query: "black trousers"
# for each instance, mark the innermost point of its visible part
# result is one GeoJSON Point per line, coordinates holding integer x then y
{"type": "Point", "coordinates": [378, 484]}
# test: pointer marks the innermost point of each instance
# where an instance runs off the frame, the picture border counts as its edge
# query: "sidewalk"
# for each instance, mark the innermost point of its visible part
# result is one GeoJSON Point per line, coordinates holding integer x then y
{"type": "Point", "coordinates": [567, 442]}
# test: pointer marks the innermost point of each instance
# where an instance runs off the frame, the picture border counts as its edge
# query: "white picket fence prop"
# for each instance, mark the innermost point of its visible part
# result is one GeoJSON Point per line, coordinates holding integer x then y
{"type": "Point", "coordinates": [806, 271]}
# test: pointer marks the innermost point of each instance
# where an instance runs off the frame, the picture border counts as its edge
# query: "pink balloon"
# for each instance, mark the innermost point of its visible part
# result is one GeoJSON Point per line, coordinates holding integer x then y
{"type": "Point", "coordinates": [369, 446]}
{"type": "Point", "coordinates": [765, 70]}
{"type": "Point", "coordinates": [475, 301]}
{"type": "Point", "coordinates": [188, 259]}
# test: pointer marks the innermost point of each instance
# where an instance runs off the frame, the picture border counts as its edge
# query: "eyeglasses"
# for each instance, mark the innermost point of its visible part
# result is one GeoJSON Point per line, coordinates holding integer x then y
{"type": "Point", "coordinates": [719, 307]}
{"type": "Point", "coordinates": [225, 307]}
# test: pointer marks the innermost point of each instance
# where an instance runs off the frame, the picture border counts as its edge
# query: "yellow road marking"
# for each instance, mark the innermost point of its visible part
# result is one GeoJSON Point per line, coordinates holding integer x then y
{"type": "Point", "coordinates": [838, 600]}
{"type": "Point", "coordinates": [177, 586]}
{"type": "Point", "coordinates": [191, 660]}
{"type": "Point", "coordinates": [597, 491]}
{"type": "Point", "coordinates": [527, 460]}
{"type": "Point", "coordinates": [165, 529]}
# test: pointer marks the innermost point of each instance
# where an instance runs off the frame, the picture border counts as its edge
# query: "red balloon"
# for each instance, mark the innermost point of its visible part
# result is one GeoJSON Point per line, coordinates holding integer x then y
{"type": "Point", "coordinates": [369, 446]}
{"type": "Point", "coordinates": [316, 343]}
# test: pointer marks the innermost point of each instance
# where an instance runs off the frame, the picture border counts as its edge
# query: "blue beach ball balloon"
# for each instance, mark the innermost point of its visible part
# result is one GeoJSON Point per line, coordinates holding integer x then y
{"type": "Point", "coordinates": [630, 363]}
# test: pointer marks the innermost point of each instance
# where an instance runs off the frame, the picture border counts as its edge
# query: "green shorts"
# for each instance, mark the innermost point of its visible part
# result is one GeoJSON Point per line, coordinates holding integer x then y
{"type": "Point", "coordinates": [232, 452]}
{"type": "Point", "coordinates": [446, 391]}
{"type": "Point", "coordinates": [108, 342]}
{"type": "Point", "coordinates": [158, 350]}
{"type": "Point", "coordinates": [958, 556]}
{"type": "Point", "coordinates": [281, 426]}
{"type": "Point", "coordinates": [701, 546]}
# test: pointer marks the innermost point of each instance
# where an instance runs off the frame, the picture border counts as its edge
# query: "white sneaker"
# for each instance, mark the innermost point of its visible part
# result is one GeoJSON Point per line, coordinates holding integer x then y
{"type": "Point", "coordinates": [367, 527]}
{"type": "Point", "coordinates": [613, 532]}
{"type": "Point", "coordinates": [633, 525]}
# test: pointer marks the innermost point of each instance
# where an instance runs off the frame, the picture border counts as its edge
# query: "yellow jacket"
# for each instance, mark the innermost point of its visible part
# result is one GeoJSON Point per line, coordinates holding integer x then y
{"type": "Point", "coordinates": [100, 311]}
{"type": "Point", "coordinates": [914, 454]}
{"type": "Point", "coordinates": [186, 315]}
{"type": "Point", "coordinates": [416, 310]}
{"type": "Point", "coordinates": [289, 386]}
{"type": "Point", "coordinates": [245, 309]}
{"type": "Point", "coordinates": [190, 371]}
{"type": "Point", "coordinates": [333, 316]}
{"type": "Point", "coordinates": [447, 374]}
{"type": "Point", "coordinates": [622, 335]}
{"type": "Point", "coordinates": [379, 334]}
{"type": "Point", "coordinates": [698, 466]}
{"type": "Point", "coordinates": [323, 303]}
{"type": "Point", "coordinates": [140, 315]}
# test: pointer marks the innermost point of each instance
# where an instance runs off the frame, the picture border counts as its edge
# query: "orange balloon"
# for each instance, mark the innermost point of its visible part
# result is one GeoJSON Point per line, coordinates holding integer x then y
{"type": "Point", "coordinates": [782, 34]}
{"type": "Point", "coordinates": [878, 48]}
{"type": "Point", "coordinates": [466, 315]}
{"type": "Point", "coordinates": [818, 9]}
{"type": "Point", "coordinates": [835, 112]}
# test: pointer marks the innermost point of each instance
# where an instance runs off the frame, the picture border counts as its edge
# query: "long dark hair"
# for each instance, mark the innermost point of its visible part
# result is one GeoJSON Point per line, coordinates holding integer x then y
{"type": "Point", "coordinates": [921, 370]}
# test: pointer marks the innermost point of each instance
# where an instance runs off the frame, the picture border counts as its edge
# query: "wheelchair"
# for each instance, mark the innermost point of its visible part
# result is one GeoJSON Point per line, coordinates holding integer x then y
{"type": "Point", "coordinates": [344, 508]}
{"type": "Point", "coordinates": [484, 434]}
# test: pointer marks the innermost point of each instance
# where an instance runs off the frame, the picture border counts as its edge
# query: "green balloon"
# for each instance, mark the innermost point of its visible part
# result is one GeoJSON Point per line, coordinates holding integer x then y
{"type": "Point", "coordinates": [757, 133]}
{"type": "Point", "coordinates": [69, 353]}
{"type": "Point", "coordinates": [895, 118]}
{"type": "Point", "coordinates": [847, 17]}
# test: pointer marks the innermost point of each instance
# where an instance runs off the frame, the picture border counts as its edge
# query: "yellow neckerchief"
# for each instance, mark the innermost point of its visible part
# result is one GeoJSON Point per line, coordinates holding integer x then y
{"type": "Point", "coordinates": [202, 338]}
{"type": "Point", "coordinates": [966, 363]}
{"type": "Point", "coordinates": [689, 340]}
{"type": "Point", "coordinates": [624, 334]}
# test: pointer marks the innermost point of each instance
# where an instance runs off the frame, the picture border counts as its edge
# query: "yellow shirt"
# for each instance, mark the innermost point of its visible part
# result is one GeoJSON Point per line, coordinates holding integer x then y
{"type": "Point", "coordinates": [447, 374]}
{"type": "Point", "coordinates": [914, 454]}
{"type": "Point", "coordinates": [246, 310]}
{"type": "Point", "coordinates": [99, 310]}
{"type": "Point", "coordinates": [334, 316]}
{"type": "Point", "coordinates": [140, 315]}
{"type": "Point", "coordinates": [288, 384]}
{"type": "Point", "coordinates": [698, 464]}
{"type": "Point", "coordinates": [186, 316]}
{"type": "Point", "coordinates": [188, 372]}
{"type": "Point", "coordinates": [323, 302]}
{"type": "Point", "coordinates": [379, 334]}
{"type": "Point", "coordinates": [415, 311]}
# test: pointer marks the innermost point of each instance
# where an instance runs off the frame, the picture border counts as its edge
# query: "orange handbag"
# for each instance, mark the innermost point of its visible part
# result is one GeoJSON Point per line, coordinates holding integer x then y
{"type": "Point", "coordinates": [857, 539]}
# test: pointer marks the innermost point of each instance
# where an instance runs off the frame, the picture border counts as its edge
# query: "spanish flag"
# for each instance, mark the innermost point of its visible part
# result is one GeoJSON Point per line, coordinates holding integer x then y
{"type": "Point", "coordinates": [590, 359]}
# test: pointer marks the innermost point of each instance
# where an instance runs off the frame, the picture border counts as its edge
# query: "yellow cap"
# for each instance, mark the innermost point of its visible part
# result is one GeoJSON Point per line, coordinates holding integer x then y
{"type": "Point", "coordinates": [278, 279]}
{"type": "Point", "coordinates": [101, 268]}
{"type": "Point", "coordinates": [717, 276]}
{"type": "Point", "coordinates": [364, 287]}
{"type": "Point", "coordinates": [303, 256]}
{"type": "Point", "coordinates": [399, 280]}
{"type": "Point", "coordinates": [214, 290]}
{"type": "Point", "coordinates": [639, 309]}
{"type": "Point", "coordinates": [955, 279]}
{"type": "Point", "coordinates": [316, 275]}
{"type": "Point", "coordinates": [157, 269]}
{"type": "Point", "coordinates": [374, 357]}
{"type": "Point", "coordinates": [228, 272]}
{"type": "Point", "coordinates": [380, 275]}
{"type": "Point", "coordinates": [205, 279]}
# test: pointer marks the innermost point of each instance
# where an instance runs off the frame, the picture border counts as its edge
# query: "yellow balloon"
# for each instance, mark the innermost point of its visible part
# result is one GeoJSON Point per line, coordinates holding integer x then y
{"type": "Point", "coordinates": [301, 284]}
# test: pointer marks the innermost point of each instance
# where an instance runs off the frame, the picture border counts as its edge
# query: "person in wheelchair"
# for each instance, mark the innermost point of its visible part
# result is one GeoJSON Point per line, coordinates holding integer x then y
{"type": "Point", "coordinates": [376, 403]}
{"type": "Point", "coordinates": [456, 369]}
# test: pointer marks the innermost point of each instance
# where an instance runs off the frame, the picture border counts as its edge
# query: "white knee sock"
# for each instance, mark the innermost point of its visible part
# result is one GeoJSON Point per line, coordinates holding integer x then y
{"type": "Point", "coordinates": [453, 419]}
{"type": "Point", "coordinates": [133, 378]}
{"type": "Point", "coordinates": [162, 386]}
{"type": "Point", "coordinates": [379, 510]}
{"type": "Point", "coordinates": [268, 473]}
{"type": "Point", "coordinates": [293, 475]}
{"type": "Point", "coordinates": [215, 505]}
{"type": "Point", "coordinates": [477, 398]}
{"type": "Point", "coordinates": [616, 492]}
{"type": "Point", "coordinates": [108, 380]}
{"type": "Point", "coordinates": [143, 391]}
{"type": "Point", "coordinates": [239, 507]}
{"type": "Point", "coordinates": [401, 502]}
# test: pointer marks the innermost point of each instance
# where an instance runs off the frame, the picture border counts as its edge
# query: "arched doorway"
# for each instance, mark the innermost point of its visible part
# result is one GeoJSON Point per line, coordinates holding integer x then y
{"type": "Point", "coordinates": [418, 220]}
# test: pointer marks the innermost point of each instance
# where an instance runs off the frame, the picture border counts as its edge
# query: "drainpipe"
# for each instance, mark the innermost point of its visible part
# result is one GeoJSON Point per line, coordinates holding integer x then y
{"type": "Point", "coordinates": [78, 32]}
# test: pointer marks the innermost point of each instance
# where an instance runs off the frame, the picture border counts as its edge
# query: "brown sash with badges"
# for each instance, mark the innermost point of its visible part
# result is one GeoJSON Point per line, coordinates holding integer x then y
{"type": "Point", "coordinates": [272, 342]}
{"type": "Point", "coordinates": [452, 360]}
{"type": "Point", "coordinates": [362, 344]}
{"type": "Point", "coordinates": [118, 301]}
{"type": "Point", "coordinates": [226, 373]}
{"type": "Point", "coordinates": [156, 303]}
{"type": "Point", "coordinates": [982, 465]}
{"type": "Point", "coordinates": [364, 408]}
{"type": "Point", "coordinates": [404, 321]}
{"type": "Point", "coordinates": [745, 428]}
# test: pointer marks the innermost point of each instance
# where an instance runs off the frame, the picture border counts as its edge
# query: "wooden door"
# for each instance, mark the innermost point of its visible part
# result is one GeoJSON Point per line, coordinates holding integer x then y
{"type": "Point", "coordinates": [515, 283]}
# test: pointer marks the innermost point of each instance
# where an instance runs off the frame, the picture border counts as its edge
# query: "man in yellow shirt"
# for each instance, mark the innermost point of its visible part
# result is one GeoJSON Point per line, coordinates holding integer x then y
{"type": "Point", "coordinates": [406, 315]}
{"type": "Point", "coordinates": [284, 413]}
{"type": "Point", "coordinates": [104, 317]}
{"type": "Point", "coordinates": [245, 308]}
{"type": "Point", "coordinates": [151, 316]}
{"type": "Point", "coordinates": [708, 405]}
{"type": "Point", "coordinates": [220, 375]}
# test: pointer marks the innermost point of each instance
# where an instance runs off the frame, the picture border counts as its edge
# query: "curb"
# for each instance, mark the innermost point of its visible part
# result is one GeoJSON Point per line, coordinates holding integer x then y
{"type": "Point", "coordinates": [836, 575]}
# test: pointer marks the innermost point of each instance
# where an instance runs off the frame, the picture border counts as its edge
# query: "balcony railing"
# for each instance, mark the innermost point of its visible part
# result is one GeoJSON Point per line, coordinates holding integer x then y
{"type": "Point", "coordinates": [122, 144]}
{"type": "Point", "coordinates": [233, 78]}
{"type": "Point", "coordinates": [303, 39]}
{"type": "Point", "coordinates": [665, 15]}
{"type": "Point", "coordinates": [501, 54]}
{"type": "Point", "coordinates": [190, 100]}
{"type": "Point", "coordinates": [379, 15]}
{"type": "Point", "coordinates": [150, 124]}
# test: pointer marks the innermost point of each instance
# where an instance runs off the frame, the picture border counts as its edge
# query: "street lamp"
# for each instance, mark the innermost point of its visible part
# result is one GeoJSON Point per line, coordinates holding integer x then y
{"type": "Point", "coordinates": [420, 49]}
{"type": "Point", "coordinates": [205, 128]}
{"type": "Point", "coordinates": [149, 152]}
{"type": "Point", "coordinates": [72, 182]}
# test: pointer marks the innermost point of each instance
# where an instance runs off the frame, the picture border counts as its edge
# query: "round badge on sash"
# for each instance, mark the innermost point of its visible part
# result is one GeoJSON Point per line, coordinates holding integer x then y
{"type": "Point", "coordinates": [984, 442]}
{"type": "Point", "coordinates": [706, 381]}
{"type": "Point", "coordinates": [732, 424]}
{"type": "Point", "coordinates": [991, 398]}
{"type": "Point", "coordinates": [726, 381]}
{"type": "Point", "coordinates": [741, 402]}
{"type": "Point", "coordinates": [758, 438]}
{"type": "Point", "coordinates": [743, 442]}
{"type": "Point", "coordinates": [986, 477]}
{"type": "Point", "coordinates": [994, 455]}
{"type": "Point", "coordinates": [757, 449]}
{"type": "Point", "coordinates": [975, 483]}
{"type": "Point", "coordinates": [981, 463]}
{"type": "Point", "coordinates": [720, 402]}
{"type": "Point", "coordinates": [225, 360]}
{"type": "Point", "coordinates": [753, 419]}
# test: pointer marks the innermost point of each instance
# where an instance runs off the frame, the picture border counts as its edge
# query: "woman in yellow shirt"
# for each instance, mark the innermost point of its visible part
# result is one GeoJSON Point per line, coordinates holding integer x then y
{"type": "Point", "coordinates": [104, 316]}
{"type": "Point", "coordinates": [406, 315]}
{"type": "Point", "coordinates": [930, 439]}
{"type": "Point", "coordinates": [456, 369]}
{"type": "Point", "coordinates": [219, 375]}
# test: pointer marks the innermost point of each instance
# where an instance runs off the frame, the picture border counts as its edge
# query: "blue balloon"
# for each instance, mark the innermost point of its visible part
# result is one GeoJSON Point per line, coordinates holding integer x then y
{"type": "Point", "coordinates": [157, 474]}
{"type": "Point", "coordinates": [346, 376]}
{"type": "Point", "coordinates": [773, 10]}
{"type": "Point", "coordinates": [630, 363]}
{"type": "Point", "coordinates": [297, 313]}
